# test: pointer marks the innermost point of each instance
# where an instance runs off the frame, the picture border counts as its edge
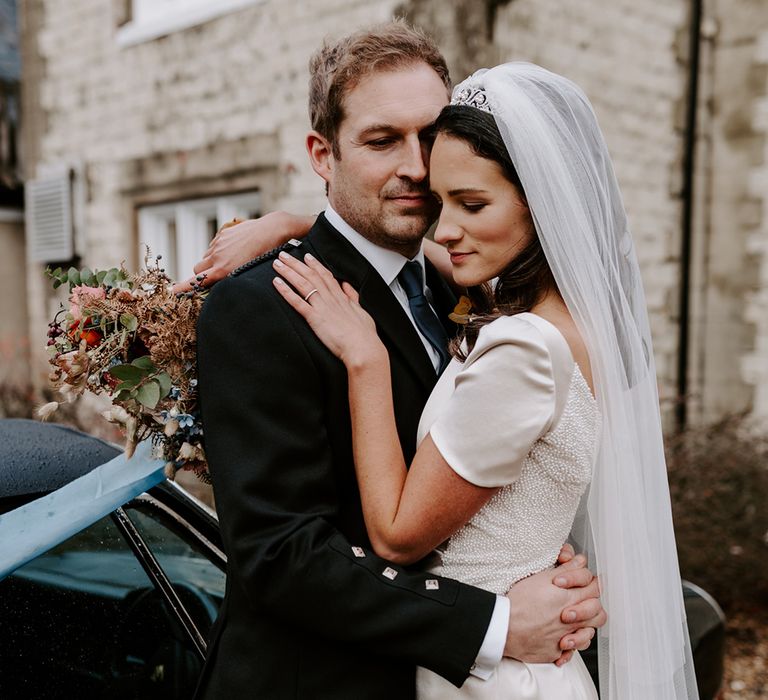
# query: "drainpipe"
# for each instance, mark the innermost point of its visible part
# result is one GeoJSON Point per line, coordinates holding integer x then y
{"type": "Point", "coordinates": [687, 212]}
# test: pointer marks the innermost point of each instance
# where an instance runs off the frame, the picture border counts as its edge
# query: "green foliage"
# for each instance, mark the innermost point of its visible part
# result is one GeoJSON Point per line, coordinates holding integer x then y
{"type": "Point", "coordinates": [129, 321]}
{"type": "Point", "coordinates": [719, 486]}
{"type": "Point", "coordinates": [148, 394]}
{"type": "Point", "coordinates": [141, 381]}
{"type": "Point", "coordinates": [114, 277]}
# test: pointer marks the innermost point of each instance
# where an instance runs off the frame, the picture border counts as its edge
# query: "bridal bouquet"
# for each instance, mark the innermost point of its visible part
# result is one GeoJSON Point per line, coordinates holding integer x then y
{"type": "Point", "coordinates": [130, 337]}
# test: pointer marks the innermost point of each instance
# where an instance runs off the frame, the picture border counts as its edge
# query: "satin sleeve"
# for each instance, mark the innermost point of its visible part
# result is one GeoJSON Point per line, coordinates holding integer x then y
{"type": "Point", "coordinates": [503, 401]}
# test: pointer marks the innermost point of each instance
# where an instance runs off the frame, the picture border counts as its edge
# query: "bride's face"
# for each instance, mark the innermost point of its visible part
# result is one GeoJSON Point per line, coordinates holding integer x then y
{"type": "Point", "coordinates": [484, 222]}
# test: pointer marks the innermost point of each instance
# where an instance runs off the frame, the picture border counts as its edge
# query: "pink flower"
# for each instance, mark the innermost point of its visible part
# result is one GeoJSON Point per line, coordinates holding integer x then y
{"type": "Point", "coordinates": [81, 297]}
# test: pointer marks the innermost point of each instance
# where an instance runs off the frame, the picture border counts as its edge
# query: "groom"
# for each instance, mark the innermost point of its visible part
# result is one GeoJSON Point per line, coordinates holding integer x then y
{"type": "Point", "coordinates": [310, 612]}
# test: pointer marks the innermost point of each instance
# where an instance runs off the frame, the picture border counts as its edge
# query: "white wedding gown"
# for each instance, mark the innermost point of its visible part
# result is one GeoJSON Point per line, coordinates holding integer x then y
{"type": "Point", "coordinates": [517, 414]}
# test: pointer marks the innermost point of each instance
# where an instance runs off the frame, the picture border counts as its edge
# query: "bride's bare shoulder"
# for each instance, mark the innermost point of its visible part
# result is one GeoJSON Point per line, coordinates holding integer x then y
{"type": "Point", "coordinates": [557, 314]}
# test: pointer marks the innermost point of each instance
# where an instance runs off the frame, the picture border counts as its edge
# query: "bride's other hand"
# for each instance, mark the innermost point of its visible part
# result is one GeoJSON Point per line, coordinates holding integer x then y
{"type": "Point", "coordinates": [332, 311]}
{"type": "Point", "coordinates": [553, 613]}
{"type": "Point", "coordinates": [238, 241]}
{"type": "Point", "coordinates": [567, 553]}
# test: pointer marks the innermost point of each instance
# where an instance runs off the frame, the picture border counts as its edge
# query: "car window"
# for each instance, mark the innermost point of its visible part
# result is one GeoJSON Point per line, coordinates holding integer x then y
{"type": "Point", "coordinates": [199, 582]}
{"type": "Point", "coordinates": [84, 620]}
{"type": "Point", "coordinates": [63, 617]}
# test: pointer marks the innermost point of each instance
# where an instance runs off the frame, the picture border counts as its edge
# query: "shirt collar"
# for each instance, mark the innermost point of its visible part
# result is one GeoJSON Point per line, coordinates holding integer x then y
{"type": "Point", "coordinates": [387, 263]}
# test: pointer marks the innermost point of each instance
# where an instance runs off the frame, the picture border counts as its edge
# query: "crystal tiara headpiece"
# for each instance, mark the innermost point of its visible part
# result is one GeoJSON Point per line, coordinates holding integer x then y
{"type": "Point", "coordinates": [472, 96]}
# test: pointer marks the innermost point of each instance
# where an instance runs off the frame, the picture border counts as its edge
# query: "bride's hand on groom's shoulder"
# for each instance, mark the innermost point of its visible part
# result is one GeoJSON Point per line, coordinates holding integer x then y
{"type": "Point", "coordinates": [554, 613]}
{"type": "Point", "coordinates": [332, 311]}
{"type": "Point", "coordinates": [237, 242]}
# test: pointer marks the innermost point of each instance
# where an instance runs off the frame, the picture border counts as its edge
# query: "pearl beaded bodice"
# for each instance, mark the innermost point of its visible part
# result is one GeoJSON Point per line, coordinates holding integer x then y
{"type": "Point", "coordinates": [521, 529]}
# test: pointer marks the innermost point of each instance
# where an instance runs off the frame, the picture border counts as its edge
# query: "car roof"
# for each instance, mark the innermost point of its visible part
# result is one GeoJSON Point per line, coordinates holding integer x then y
{"type": "Point", "coordinates": [38, 457]}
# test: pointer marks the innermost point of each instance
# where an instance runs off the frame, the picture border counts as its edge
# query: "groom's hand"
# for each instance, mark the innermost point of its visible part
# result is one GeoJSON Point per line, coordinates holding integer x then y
{"type": "Point", "coordinates": [553, 613]}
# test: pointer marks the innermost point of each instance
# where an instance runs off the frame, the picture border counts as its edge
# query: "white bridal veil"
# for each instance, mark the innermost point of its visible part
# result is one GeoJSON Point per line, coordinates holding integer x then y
{"type": "Point", "coordinates": [552, 135]}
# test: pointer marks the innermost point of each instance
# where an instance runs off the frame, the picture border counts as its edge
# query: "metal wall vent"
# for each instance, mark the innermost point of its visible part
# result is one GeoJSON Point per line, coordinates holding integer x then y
{"type": "Point", "coordinates": [48, 213]}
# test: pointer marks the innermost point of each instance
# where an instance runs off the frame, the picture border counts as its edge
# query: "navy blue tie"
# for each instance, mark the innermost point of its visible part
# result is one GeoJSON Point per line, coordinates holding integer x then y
{"type": "Point", "coordinates": [412, 281]}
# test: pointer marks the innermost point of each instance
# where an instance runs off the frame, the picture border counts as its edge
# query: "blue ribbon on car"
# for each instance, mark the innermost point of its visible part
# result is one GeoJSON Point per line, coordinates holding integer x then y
{"type": "Point", "coordinates": [40, 525]}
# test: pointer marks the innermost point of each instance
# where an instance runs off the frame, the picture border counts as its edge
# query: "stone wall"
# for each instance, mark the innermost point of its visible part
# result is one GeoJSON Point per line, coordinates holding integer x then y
{"type": "Point", "coordinates": [14, 322]}
{"type": "Point", "coordinates": [755, 364]}
{"type": "Point", "coordinates": [214, 108]}
{"type": "Point", "coordinates": [625, 55]}
{"type": "Point", "coordinates": [222, 107]}
{"type": "Point", "coordinates": [729, 352]}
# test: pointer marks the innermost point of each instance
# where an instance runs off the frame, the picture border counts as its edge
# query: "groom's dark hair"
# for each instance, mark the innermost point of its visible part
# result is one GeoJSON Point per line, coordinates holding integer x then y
{"type": "Point", "coordinates": [336, 68]}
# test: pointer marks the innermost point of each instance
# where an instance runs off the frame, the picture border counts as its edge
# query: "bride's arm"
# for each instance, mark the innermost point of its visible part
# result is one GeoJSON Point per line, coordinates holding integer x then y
{"type": "Point", "coordinates": [407, 512]}
{"type": "Point", "coordinates": [237, 242]}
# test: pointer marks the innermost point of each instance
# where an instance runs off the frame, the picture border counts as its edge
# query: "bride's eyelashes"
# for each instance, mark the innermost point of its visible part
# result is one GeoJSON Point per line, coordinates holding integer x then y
{"type": "Point", "coordinates": [471, 207]}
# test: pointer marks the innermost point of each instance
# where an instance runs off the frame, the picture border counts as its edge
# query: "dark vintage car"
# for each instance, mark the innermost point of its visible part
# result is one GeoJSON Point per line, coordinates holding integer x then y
{"type": "Point", "coordinates": [121, 608]}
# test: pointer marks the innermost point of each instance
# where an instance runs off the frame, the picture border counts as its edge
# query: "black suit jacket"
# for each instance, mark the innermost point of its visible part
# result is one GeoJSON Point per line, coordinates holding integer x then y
{"type": "Point", "coordinates": [304, 616]}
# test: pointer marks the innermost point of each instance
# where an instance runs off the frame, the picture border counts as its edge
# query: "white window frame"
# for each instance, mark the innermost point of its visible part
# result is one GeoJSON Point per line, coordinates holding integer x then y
{"type": "Point", "coordinates": [181, 252]}
{"type": "Point", "coordinates": [151, 19]}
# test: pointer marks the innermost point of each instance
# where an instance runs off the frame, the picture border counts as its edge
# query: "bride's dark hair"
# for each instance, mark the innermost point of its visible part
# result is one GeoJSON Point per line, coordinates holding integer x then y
{"type": "Point", "coordinates": [528, 277]}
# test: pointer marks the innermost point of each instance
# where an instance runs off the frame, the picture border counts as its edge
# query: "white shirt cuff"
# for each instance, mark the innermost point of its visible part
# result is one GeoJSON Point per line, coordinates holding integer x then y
{"type": "Point", "coordinates": [492, 648]}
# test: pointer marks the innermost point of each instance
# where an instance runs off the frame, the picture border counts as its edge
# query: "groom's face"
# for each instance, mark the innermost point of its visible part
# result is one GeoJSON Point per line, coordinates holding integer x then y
{"type": "Point", "coordinates": [379, 184]}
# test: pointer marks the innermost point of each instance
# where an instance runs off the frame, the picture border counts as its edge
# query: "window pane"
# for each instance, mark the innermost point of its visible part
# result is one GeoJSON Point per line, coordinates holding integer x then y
{"type": "Point", "coordinates": [213, 226]}
{"type": "Point", "coordinates": [181, 231]}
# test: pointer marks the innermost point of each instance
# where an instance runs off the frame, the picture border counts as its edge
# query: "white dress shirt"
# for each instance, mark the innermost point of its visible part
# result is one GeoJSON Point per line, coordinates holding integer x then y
{"type": "Point", "coordinates": [388, 264]}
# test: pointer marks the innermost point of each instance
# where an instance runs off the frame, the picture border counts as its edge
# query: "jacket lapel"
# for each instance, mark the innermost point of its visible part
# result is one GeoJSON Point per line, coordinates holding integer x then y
{"type": "Point", "coordinates": [346, 264]}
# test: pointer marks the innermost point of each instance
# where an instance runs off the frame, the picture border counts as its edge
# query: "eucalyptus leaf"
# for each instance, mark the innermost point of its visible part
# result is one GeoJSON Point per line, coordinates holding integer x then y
{"type": "Point", "coordinates": [164, 380]}
{"type": "Point", "coordinates": [56, 283]}
{"type": "Point", "coordinates": [126, 385]}
{"type": "Point", "coordinates": [87, 277]}
{"type": "Point", "coordinates": [100, 277]}
{"type": "Point", "coordinates": [73, 275]}
{"type": "Point", "coordinates": [144, 362]}
{"type": "Point", "coordinates": [149, 394]}
{"type": "Point", "coordinates": [129, 321]}
{"type": "Point", "coordinates": [127, 373]}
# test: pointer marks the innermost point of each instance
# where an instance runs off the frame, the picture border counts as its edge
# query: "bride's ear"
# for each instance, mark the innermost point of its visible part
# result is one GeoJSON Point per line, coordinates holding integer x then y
{"type": "Point", "coordinates": [320, 154]}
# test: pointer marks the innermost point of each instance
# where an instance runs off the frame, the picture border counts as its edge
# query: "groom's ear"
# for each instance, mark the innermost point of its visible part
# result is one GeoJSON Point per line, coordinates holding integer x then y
{"type": "Point", "coordinates": [320, 155]}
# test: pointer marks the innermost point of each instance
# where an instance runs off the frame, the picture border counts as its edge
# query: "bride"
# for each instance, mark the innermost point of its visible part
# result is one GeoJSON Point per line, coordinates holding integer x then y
{"type": "Point", "coordinates": [546, 421]}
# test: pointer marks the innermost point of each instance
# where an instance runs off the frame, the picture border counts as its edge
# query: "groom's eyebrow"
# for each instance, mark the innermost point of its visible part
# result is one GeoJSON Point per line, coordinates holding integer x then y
{"type": "Point", "coordinates": [376, 128]}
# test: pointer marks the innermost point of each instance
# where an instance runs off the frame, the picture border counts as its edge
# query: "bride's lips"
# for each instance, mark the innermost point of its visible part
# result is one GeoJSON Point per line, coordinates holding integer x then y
{"type": "Point", "coordinates": [457, 257]}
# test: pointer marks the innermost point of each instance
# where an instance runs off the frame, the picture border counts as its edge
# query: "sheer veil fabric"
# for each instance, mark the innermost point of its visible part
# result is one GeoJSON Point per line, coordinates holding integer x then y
{"type": "Point", "coordinates": [625, 522]}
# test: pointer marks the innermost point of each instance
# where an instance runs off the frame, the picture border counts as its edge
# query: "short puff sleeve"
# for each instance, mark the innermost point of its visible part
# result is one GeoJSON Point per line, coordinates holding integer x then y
{"type": "Point", "coordinates": [503, 401]}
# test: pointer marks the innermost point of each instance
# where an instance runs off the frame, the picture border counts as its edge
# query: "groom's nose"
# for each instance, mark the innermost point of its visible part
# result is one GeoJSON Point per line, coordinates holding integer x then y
{"type": "Point", "coordinates": [414, 160]}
